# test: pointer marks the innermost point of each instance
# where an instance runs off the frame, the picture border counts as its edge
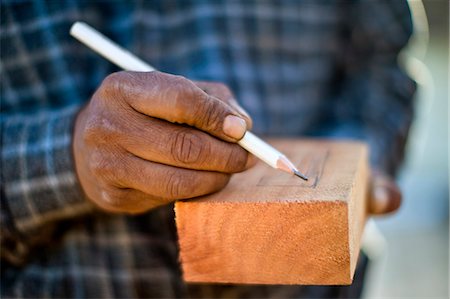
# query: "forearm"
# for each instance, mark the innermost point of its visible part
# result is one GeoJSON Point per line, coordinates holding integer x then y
{"type": "Point", "coordinates": [39, 185]}
{"type": "Point", "coordinates": [375, 99]}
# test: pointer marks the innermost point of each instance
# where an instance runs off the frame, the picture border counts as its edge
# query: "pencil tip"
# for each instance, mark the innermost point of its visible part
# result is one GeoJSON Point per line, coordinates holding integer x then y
{"type": "Point", "coordinates": [284, 164]}
{"type": "Point", "coordinates": [300, 175]}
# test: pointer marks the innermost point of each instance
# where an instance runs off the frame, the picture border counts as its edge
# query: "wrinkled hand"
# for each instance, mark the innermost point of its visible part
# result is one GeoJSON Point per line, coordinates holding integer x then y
{"type": "Point", "coordinates": [385, 196]}
{"type": "Point", "coordinates": [146, 139]}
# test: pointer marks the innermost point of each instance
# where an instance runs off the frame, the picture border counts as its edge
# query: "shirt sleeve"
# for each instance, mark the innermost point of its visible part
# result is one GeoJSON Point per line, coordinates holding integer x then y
{"type": "Point", "coordinates": [375, 96]}
{"type": "Point", "coordinates": [38, 181]}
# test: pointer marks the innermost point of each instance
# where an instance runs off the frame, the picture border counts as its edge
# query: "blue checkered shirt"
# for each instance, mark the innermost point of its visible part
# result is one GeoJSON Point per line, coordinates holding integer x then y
{"type": "Point", "coordinates": [301, 68]}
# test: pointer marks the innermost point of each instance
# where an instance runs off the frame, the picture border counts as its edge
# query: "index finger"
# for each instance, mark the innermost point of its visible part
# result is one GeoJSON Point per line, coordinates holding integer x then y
{"type": "Point", "coordinates": [177, 100]}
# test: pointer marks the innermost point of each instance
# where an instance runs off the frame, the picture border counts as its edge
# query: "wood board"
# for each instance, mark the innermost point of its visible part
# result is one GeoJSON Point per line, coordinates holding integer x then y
{"type": "Point", "coordinates": [268, 227]}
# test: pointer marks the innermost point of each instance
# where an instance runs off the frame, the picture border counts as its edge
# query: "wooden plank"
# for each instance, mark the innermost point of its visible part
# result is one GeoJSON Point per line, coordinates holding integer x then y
{"type": "Point", "coordinates": [267, 227]}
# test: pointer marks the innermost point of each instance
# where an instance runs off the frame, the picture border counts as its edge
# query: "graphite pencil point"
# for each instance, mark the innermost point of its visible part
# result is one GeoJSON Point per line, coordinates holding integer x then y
{"type": "Point", "coordinates": [300, 175]}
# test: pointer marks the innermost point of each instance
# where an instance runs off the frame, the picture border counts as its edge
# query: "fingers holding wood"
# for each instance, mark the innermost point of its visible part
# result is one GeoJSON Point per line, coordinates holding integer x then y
{"type": "Point", "coordinates": [162, 181]}
{"type": "Point", "coordinates": [171, 144]}
{"type": "Point", "coordinates": [385, 195]}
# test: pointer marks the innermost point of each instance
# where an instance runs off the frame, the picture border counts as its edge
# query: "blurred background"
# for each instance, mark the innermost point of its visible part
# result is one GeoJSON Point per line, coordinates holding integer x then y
{"type": "Point", "coordinates": [411, 248]}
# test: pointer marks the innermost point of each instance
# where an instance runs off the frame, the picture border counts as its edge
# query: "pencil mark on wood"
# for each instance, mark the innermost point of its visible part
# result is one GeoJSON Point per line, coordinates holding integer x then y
{"type": "Point", "coordinates": [312, 163]}
{"type": "Point", "coordinates": [323, 163]}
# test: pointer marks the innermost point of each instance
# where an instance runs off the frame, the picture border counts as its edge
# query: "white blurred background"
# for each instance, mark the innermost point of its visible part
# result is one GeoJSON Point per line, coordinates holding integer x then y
{"type": "Point", "coordinates": [414, 261]}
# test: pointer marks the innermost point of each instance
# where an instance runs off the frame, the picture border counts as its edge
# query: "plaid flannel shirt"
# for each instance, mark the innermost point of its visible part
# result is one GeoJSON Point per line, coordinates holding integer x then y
{"type": "Point", "coordinates": [312, 68]}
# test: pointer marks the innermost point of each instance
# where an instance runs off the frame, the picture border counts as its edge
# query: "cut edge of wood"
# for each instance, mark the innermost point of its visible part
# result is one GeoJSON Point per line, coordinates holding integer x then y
{"type": "Point", "coordinates": [322, 276]}
{"type": "Point", "coordinates": [352, 219]}
{"type": "Point", "coordinates": [359, 191]}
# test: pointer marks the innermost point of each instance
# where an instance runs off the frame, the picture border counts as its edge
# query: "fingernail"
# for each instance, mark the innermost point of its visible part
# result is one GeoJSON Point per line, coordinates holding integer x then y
{"type": "Point", "coordinates": [234, 127]}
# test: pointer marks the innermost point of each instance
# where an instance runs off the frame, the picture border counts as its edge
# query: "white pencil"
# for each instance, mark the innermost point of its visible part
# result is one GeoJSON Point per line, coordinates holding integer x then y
{"type": "Point", "coordinates": [128, 61]}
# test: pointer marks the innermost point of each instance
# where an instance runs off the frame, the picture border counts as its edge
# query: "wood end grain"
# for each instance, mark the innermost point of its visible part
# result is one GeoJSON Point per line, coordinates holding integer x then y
{"type": "Point", "coordinates": [271, 228]}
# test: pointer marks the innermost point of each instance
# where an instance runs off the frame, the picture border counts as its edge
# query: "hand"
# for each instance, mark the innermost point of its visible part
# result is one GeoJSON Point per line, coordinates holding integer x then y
{"type": "Point", "coordinates": [146, 139]}
{"type": "Point", "coordinates": [385, 196]}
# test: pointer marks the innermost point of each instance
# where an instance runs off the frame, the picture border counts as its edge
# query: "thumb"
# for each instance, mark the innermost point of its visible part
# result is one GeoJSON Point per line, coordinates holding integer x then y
{"type": "Point", "coordinates": [385, 196]}
{"type": "Point", "coordinates": [177, 100]}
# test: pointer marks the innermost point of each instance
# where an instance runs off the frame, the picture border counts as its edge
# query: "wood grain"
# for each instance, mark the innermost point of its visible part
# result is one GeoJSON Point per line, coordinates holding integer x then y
{"type": "Point", "coordinates": [267, 227]}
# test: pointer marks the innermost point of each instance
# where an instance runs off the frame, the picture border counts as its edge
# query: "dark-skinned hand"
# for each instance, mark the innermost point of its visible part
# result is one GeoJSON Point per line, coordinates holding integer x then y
{"type": "Point", "coordinates": [147, 139]}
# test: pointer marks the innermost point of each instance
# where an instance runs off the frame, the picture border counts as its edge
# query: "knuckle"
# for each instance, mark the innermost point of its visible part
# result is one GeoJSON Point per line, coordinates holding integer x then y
{"type": "Point", "coordinates": [178, 80]}
{"type": "Point", "coordinates": [236, 159]}
{"type": "Point", "coordinates": [177, 186]}
{"type": "Point", "coordinates": [188, 147]}
{"type": "Point", "coordinates": [223, 89]}
{"type": "Point", "coordinates": [119, 85]}
{"type": "Point", "coordinates": [156, 78]}
{"type": "Point", "coordinates": [98, 164]}
{"type": "Point", "coordinates": [217, 89]}
{"type": "Point", "coordinates": [104, 168]}
{"type": "Point", "coordinates": [100, 128]}
{"type": "Point", "coordinates": [184, 96]}
{"type": "Point", "coordinates": [112, 198]}
{"type": "Point", "coordinates": [90, 132]}
{"type": "Point", "coordinates": [209, 114]}
{"type": "Point", "coordinates": [112, 81]}
{"type": "Point", "coordinates": [178, 83]}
